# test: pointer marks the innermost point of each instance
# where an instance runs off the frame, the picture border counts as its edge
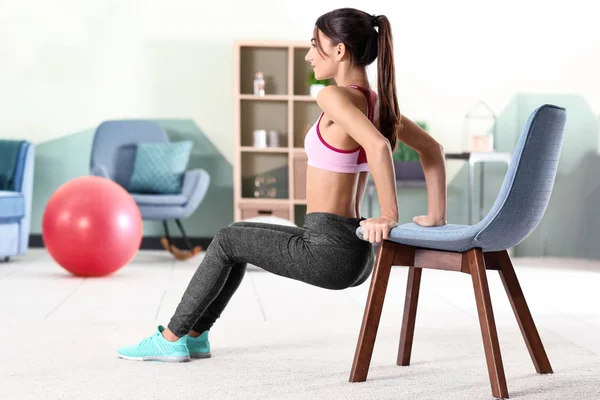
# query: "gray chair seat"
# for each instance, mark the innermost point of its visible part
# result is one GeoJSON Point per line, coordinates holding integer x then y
{"type": "Point", "coordinates": [12, 206]}
{"type": "Point", "coordinates": [450, 237]}
{"type": "Point", "coordinates": [159, 200]}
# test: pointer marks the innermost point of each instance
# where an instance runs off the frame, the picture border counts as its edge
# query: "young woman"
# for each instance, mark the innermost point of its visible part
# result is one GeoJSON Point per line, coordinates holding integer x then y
{"type": "Point", "coordinates": [356, 133]}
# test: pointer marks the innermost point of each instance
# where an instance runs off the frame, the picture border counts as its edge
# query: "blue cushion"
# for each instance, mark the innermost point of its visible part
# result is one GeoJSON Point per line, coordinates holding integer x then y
{"type": "Point", "coordinates": [159, 167]}
{"type": "Point", "coordinates": [12, 206]}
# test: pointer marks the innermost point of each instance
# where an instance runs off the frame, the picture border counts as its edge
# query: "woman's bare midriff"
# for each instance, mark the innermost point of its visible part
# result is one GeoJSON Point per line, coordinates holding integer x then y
{"type": "Point", "coordinates": [333, 192]}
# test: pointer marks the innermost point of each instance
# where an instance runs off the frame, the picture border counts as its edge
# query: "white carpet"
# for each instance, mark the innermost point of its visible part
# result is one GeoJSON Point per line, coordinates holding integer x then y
{"type": "Point", "coordinates": [54, 361]}
{"type": "Point", "coordinates": [281, 339]}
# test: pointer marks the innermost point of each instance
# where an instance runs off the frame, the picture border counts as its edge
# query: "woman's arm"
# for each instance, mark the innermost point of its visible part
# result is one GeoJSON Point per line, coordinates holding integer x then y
{"type": "Point", "coordinates": [340, 108]}
{"type": "Point", "coordinates": [434, 167]}
{"type": "Point", "coordinates": [363, 177]}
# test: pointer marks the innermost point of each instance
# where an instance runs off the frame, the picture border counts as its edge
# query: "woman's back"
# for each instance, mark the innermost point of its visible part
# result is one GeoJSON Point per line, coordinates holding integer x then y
{"type": "Point", "coordinates": [337, 165]}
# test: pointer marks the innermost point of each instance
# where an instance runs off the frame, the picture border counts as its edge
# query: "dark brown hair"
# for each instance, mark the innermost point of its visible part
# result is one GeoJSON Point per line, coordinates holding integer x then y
{"type": "Point", "coordinates": [366, 38]}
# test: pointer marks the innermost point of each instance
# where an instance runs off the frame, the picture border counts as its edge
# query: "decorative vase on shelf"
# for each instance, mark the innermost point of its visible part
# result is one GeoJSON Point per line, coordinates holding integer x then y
{"type": "Point", "coordinates": [260, 138]}
{"type": "Point", "coordinates": [480, 128]}
{"type": "Point", "coordinates": [481, 143]}
{"type": "Point", "coordinates": [259, 84]}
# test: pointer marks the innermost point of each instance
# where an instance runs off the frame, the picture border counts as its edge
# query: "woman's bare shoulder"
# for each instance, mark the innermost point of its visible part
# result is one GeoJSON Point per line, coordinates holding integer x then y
{"type": "Point", "coordinates": [340, 96]}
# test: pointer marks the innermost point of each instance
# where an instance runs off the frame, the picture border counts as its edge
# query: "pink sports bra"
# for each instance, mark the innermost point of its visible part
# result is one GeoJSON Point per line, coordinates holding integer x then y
{"type": "Point", "coordinates": [324, 156]}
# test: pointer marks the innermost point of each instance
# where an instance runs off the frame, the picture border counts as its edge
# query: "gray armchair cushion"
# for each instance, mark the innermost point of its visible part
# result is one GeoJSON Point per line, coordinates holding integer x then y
{"type": "Point", "coordinates": [12, 206]}
{"type": "Point", "coordinates": [159, 199]}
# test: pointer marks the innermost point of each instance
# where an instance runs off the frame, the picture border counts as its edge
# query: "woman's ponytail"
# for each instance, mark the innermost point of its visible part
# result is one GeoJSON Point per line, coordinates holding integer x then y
{"type": "Point", "coordinates": [389, 111]}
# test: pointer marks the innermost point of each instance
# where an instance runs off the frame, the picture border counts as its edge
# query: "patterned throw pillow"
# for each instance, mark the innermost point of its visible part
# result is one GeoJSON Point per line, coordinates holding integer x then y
{"type": "Point", "coordinates": [159, 167]}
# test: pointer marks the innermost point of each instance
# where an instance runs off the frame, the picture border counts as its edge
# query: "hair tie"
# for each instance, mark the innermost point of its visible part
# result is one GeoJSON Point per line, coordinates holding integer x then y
{"type": "Point", "coordinates": [374, 19]}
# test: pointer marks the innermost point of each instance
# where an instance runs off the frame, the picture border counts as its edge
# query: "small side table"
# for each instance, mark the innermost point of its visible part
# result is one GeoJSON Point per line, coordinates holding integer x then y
{"type": "Point", "coordinates": [472, 159]}
{"type": "Point", "coordinates": [399, 184]}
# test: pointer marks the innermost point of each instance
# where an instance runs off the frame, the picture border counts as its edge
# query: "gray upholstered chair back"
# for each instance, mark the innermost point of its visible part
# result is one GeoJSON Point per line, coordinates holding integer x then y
{"type": "Point", "coordinates": [528, 184]}
{"type": "Point", "coordinates": [115, 143]}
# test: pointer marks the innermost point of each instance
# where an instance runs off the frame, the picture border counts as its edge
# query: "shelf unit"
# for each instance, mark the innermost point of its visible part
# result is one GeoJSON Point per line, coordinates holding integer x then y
{"type": "Point", "coordinates": [287, 108]}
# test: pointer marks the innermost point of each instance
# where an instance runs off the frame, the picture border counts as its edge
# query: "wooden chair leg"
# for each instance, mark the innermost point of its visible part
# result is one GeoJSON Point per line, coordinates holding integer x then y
{"type": "Point", "coordinates": [372, 314]}
{"type": "Point", "coordinates": [410, 315]}
{"type": "Point", "coordinates": [488, 325]}
{"type": "Point", "coordinates": [523, 315]}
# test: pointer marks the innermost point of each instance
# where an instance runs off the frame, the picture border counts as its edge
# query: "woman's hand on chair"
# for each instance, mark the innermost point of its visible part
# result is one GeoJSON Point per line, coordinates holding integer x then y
{"type": "Point", "coordinates": [377, 229]}
{"type": "Point", "coordinates": [426, 220]}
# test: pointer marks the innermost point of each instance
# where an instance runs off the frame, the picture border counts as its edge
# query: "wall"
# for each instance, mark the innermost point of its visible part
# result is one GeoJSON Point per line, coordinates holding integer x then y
{"type": "Point", "coordinates": [68, 65]}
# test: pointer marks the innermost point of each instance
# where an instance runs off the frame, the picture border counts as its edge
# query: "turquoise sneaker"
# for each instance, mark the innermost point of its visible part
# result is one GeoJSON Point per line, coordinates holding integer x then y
{"type": "Point", "coordinates": [199, 347]}
{"type": "Point", "coordinates": [157, 348]}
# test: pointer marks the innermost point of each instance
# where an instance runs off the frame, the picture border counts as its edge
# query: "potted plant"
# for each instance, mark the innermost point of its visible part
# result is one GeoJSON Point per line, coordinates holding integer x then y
{"type": "Point", "coordinates": [407, 163]}
{"type": "Point", "coordinates": [315, 85]}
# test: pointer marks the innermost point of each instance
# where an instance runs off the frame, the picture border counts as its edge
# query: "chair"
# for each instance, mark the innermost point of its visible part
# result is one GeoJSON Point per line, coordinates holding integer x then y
{"type": "Point", "coordinates": [113, 157]}
{"type": "Point", "coordinates": [473, 249]}
{"type": "Point", "coordinates": [16, 192]}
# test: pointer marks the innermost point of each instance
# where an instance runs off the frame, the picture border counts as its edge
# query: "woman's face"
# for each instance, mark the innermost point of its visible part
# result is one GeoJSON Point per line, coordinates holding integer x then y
{"type": "Point", "coordinates": [323, 64]}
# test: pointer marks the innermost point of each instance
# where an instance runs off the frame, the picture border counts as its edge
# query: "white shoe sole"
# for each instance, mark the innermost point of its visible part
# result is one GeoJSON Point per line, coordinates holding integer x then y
{"type": "Point", "coordinates": [156, 358]}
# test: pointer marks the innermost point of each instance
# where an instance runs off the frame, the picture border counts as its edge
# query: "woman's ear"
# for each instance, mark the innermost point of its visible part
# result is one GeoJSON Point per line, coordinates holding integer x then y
{"type": "Point", "coordinates": [340, 52]}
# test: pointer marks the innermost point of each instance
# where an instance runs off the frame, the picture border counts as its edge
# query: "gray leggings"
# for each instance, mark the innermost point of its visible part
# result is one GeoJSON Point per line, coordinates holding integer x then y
{"type": "Point", "coordinates": [325, 252]}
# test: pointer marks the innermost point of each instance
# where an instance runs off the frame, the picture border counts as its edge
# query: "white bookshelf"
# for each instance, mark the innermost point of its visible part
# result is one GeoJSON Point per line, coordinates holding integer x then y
{"type": "Point", "coordinates": [286, 107]}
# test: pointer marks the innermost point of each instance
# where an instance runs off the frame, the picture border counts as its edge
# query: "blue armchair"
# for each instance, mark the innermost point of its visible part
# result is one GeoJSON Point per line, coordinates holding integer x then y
{"type": "Point", "coordinates": [113, 157]}
{"type": "Point", "coordinates": [16, 191]}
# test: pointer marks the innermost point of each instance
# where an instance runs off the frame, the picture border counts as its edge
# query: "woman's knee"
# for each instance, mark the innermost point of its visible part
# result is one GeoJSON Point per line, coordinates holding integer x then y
{"type": "Point", "coordinates": [220, 238]}
{"type": "Point", "coordinates": [228, 236]}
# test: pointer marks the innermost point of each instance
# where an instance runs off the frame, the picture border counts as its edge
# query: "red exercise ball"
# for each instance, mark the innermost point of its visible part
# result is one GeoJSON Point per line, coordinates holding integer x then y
{"type": "Point", "coordinates": [92, 226]}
